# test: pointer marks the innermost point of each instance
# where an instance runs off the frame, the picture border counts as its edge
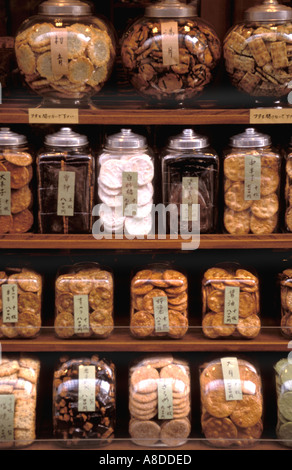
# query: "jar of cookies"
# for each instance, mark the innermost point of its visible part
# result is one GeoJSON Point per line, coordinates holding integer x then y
{"type": "Point", "coordinates": [66, 182]}
{"type": "Point", "coordinates": [231, 402]}
{"type": "Point", "coordinates": [288, 188]}
{"type": "Point", "coordinates": [65, 53]}
{"type": "Point", "coordinates": [125, 185]}
{"type": "Point", "coordinates": [190, 174]}
{"type": "Point", "coordinates": [230, 302]}
{"type": "Point", "coordinates": [252, 176]}
{"type": "Point", "coordinates": [159, 302]}
{"type": "Point", "coordinates": [257, 52]}
{"type": "Point", "coordinates": [283, 375]}
{"type": "Point", "coordinates": [285, 285]}
{"type": "Point", "coordinates": [160, 401]}
{"type": "Point", "coordinates": [20, 303]}
{"type": "Point", "coordinates": [84, 401]}
{"type": "Point", "coordinates": [84, 301]}
{"type": "Point", "coordinates": [170, 54]}
{"type": "Point", "coordinates": [16, 173]}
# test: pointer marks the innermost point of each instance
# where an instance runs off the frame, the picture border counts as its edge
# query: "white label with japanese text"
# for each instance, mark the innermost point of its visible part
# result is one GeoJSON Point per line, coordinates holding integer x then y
{"type": "Point", "coordinates": [161, 318]}
{"type": "Point", "coordinates": [165, 402]}
{"type": "Point", "coordinates": [170, 44]}
{"type": "Point", "coordinates": [190, 197]}
{"type": "Point", "coordinates": [231, 305]}
{"type": "Point", "coordinates": [53, 116]}
{"type": "Point", "coordinates": [130, 192]}
{"type": "Point", "coordinates": [59, 51]}
{"type": "Point", "coordinates": [7, 403]}
{"type": "Point", "coordinates": [9, 303]}
{"type": "Point", "coordinates": [252, 180]}
{"type": "Point", "coordinates": [5, 193]}
{"type": "Point", "coordinates": [231, 378]}
{"type": "Point", "coordinates": [66, 193]}
{"type": "Point", "coordinates": [81, 314]}
{"type": "Point", "coordinates": [86, 388]}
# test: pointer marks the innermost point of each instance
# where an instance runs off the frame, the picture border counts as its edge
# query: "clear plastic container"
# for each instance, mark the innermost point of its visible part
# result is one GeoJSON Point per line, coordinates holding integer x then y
{"type": "Point", "coordinates": [16, 172]}
{"type": "Point", "coordinates": [283, 374]}
{"type": "Point", "coordinates": [159, 401]}
{"type": "Point", "coordinates": [252, 177]}
{"type": "Point", "coordinates": [84, 301]}
{"type": "Point", "coordinates": [285, 283]}
{"type": "Point", "coordinates": [231, 403]}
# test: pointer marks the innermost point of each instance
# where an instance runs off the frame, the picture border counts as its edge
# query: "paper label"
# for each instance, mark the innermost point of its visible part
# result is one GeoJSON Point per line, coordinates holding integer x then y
{"type": "Point", "coordinates": [231, 378]}
{"type": "Point", "coordinates": [86, 388]}
{"type": "Point", "coordinates": [170, 44]}
{"type": "Point", "coordinates": [66, 193]}
{"type": "Point", "coordinates": [160, 306]}
{"type": "Point", "coordinates": [81, 314]}
{"type": "Point", "coordinates": [7, 417]}
{"type": "Point", "coordinates": [190, 197]}
{"type": "Point", "coordinates": [130, 192]}
{"type": "Point", "coordinates": [252, 179]}
{"type": "Point", "coordinates": [5, 193]}
{"type": "Point", "coordinates": [231, 305]}
{"type": "Point", "coordinates": [165, 403]}
{"type": "Point", "coordinates": [9, 303]}
{"type": "Point", "coordinates": [270, 116]}
{"type": "Point", "coordinates": [59, 52]}
{"type": "Point", "coordinates": [53, 116]}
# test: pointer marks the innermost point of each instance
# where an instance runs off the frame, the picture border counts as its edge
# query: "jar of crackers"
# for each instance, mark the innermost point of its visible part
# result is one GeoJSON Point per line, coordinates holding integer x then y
{"type": "Point", "coordinates": [66, 182]}
{"type": "Point", "coordinates": [190, 174]}
{"type": "Point", "coordinates": [84, 301]}
{"type": "Point", "coordinates": [252, 177]}
{"type": "Point", "coordinates": [257, 52]}
{"type": "Point", "coordinates": [170, 54]}
{"type": "Point", "coordinates": [283, 375]}
{"type": "Point", "coordinates": [159, 302]}
{"type": "Point", "coordinates": [126, 184]}
{"type": "Point", "coordinates": [288, 188]}
{"type": "Point", "coordinates": [231, 402]}
{"type": "Point", "coordinates": [285, 283]}
{"type": "Point", "coordinates": [159, 401]}
{"type": "Point", "coordinates": [230, 302]}
{"type": "Point", "coordinates": [65, 53]}
{"type": "Point", "coordinates": [84, 401]}
{"type": "Point", "coordinates": [20, 303]}
{"type": "Point", "coordinates": [16, 173]}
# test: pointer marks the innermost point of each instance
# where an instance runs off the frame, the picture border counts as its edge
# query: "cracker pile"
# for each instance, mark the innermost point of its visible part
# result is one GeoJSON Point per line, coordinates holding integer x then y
{"type": "Point", "coordinates": [288, 193]}
{"type": "Point", "coordinates": [285, 279]}
{"type": "Point", "coordinates": [236, 422]}
{"type": "Point", "coordinates": [144, 427]}
{"type": "Point", "coordinates": [283, 375]}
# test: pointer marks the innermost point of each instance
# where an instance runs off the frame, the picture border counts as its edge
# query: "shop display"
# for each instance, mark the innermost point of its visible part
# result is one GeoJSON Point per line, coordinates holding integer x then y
{"type": "Point", "coordinates": [19, 377]}
{"type": "Point", "coordinates": [170, 54]}
{"type": "Point", "coordinates": [257, 51]}
{"type": "Point", "coordinates": [66, 173]}
{"type": "Point", "coordinates": [231, 302]}
{"type": "Point", "coordinates": [231, 403]}
{"type": "Point", "coordinates": [159, 303]}
{"type": "Point", "coordinates": [126, 184]}
{"type": "Point", "coordinates": [288, 189]}
{"type": "Point", "coordinates": [84, 401]}
{"type": "Point", "coordinates": [159, 401]}
{"type": "Point", "coordinates": [65, 53]}
{"type": "Point", "coordinates": [283, 374]}
{"type": "Point", "coordinates": [84, 302]}
{"type": "Point", "coordinates": [190, 174]}
{"type": "Point", "coordinates": [252, 176]}
{"type": "Point", "coordinates": [285, 284]}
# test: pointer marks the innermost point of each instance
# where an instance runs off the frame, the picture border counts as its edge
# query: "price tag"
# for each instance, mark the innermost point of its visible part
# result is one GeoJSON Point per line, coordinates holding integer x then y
{"type": "Point", "coordinates": [7, 403]}
{"type": "Point", "coordinates": [165, 403]}
{"type": "Point", "coordinates": [66, 193]}
{"type": "Point", "coordinates": [81, 314]}
{"type": "Point", "coordinates": [86, 388]}
{"type": "Point", "coordinates": [10, 303]}
{"type": "Point", "coordinates": [270, 116]}
{"type": "Point", "coordinates": [161, 319]}
{"type": "Point", "coordinates": [252, 179]}
{"type": "Point", "coordinates": [170, 44]}
{"type": "Point", "coordinates": [130, 192]}
{"type": "Point", "coordinates": [59, 51]}
{"type": "Point", "coordinates": [5, 193]}
{"type": "Point", "coordinates": [231, 378]}
{"type": "Point", "coordinates": [53, 116]}
{"type": "Point", "coordinates": [231, 305]}
{"type": "Point", "coordinates": [190, 197]}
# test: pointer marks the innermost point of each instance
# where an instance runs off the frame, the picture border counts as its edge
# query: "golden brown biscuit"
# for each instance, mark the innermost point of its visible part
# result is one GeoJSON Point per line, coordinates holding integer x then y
{"type": "Point", "coordinates": [248, 411]}
{"type": "Point", "coordinates": [142, 324]}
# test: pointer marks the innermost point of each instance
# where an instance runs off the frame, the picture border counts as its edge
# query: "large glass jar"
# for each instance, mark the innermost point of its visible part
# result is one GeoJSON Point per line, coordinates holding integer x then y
{"type": "Point", "coordinates": [190, 171]}
{"type": "Point", "coordinates": [170, 54]}
{"type": "Point", "coordinates": [252, 174]}
{"type": "Point", "coordinates": [66, 171]}
{"type": "Point", "coordinates": [288, 188]}
{"type": "Point", "coordinates": [283, 374]}
{"type": "Point", "coordinates": [257, 52]}
{"type": "Point", "coordinates": [64, 53]}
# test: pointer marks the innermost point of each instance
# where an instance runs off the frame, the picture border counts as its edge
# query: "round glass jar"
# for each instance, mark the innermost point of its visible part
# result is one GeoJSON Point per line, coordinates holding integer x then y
{"type": "Point", "coordinates": [252, 175]}
{"type": "Point", "coordinates": [288, 188]}
{"type": "Point", "coordinates": [170, 54]}
{"type": "Point", "coordinates": [257, 52]}
{"type": "Point", "coordinates": [190, 171]}
{"type": "Point", "coordinates": [64, 53]}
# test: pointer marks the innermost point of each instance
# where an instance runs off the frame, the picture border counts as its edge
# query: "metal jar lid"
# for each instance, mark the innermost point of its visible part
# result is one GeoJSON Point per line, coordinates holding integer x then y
{"type": "Point", "coordinates": [125, 140]}
{"type": "Point", "coordinates": [64, 8]}
{"type": "Point", "coordinates": [250, 138]}
{"type": "Point", "coordinates": [171, 9]}
{"type": "Point", "coordinates": [9, 138]}
{"type": "Point", "coordinates": [269, 10]}
{"type": "Point", "coordinates": [188, 140]}
{"type": "Point", "coordinates": [65, 137]}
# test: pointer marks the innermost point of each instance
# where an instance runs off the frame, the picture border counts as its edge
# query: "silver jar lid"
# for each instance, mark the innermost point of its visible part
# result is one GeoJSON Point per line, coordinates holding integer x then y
{"type": "Point", "coordinates": [65, 137]}
{"type": "Point", "coordinates": [65, 8]}
{"type": "Point", "coordinates": [250, 138]}
{"type": "Point", "coordinates": [171, 9]}
{"type": "Point", "coordinates": [188, 140]}
{"type": "Point", "coordinates": [9, 138]}
{"type": "Point", "coordinates": [125, 140]}
{"type": "Point", "coordinates": [269, 10]}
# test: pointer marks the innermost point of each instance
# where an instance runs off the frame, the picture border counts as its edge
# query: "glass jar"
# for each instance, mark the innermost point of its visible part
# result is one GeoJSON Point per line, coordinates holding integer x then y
{"type": "Point", "coordinates": [190, 172]}
{"type": "Point", "coordinates": [285, 285]}
{"type": "Point", "coordinates": [257, 52]}
{"type": "Point", "coordinates": [170, 54]}
{"type": "Point", "coordinates": [283, 374]}
{"type": "Point", "coordinates": [66, 174]}
{"type": "Point", "coordinates": [64, 53]}
{"type": "Point", "coordinates": [252, 174]}
{"type": "Point", "coordinates": [16, 172]}
{"type": "Point", "coordinates": [288, 188]}
{"type": "Point", "coordinates": [126, 184]}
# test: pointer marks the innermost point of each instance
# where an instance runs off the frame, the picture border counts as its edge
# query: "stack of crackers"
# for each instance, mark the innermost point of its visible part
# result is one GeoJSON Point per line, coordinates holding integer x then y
{"type": "Point", "coordinates": [283, 373]}
{"type": "Point", "coordinates": [285, 279]}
